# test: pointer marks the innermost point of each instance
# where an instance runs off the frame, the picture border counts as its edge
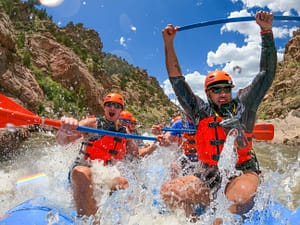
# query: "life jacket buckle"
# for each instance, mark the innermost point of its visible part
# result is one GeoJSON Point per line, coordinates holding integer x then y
{"type": "Point", "coordinates": [216, 157]}
{"type": "Point", "coordinates": [217, 142]}
{"type": "Point", "coordinates": [192, 151]}
{"type": "Point", "coordinates": [113, 152]}
{"type": "Point", "coordinates": [192, 142]}
{"type": "Point", "coordinates": [213, 124]}
{"type": "Point", "coordinates": [118, 140]}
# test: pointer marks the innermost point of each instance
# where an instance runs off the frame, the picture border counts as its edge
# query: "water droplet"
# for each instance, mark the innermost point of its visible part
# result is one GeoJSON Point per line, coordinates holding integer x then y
{"type": "Point", "coordinates": [52, 217]}
{"type": "Point", "coordinates": [11, 127]}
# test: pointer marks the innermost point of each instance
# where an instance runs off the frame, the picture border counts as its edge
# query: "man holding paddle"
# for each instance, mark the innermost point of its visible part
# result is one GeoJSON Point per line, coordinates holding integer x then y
{"type": "Point", "coordinates": [213, 121]}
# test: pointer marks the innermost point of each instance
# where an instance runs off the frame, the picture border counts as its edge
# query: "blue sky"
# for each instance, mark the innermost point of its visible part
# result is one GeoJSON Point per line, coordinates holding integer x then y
{"type": "Point", "coordinates": [132, 29]}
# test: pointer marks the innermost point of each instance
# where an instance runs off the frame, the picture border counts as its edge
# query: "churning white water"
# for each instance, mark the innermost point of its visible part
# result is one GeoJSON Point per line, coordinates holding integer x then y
{"type": "Point", "coordinates": [140, 203]}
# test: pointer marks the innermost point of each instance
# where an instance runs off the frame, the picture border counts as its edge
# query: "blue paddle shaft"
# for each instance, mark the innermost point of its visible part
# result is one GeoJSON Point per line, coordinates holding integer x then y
{"type": "Point", "coordinates": [179, 130]}
{"type": "Point", "coordinates": [114, 134]}
{"type": "Point", "coordinates": [232, 20]}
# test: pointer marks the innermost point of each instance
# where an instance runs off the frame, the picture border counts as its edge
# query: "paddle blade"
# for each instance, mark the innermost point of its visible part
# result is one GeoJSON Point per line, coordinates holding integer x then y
{"type": "Point", "coordinates": [7, 103]}
{"type": "Point", "coordinates": [263, 132]}
{"type": "Point", "coordinates": [13, 114]}
{"type": "Point", "coordinates": [9, 118]}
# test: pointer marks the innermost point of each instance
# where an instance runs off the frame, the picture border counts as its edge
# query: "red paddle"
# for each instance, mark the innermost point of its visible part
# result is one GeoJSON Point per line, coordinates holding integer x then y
{"type": "Point", "coordinates": [263, 131]}
{"type": "Point", "coordinates": [16, 115]}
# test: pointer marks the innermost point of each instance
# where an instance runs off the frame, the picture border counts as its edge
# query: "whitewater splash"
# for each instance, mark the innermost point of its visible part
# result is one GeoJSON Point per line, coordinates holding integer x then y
{"type": "Point", "coordinates": [226, 165]}
{"type": "Point", "coordinates": [140, 203]}
{"type": "Point", "coordinates": [146, 177]}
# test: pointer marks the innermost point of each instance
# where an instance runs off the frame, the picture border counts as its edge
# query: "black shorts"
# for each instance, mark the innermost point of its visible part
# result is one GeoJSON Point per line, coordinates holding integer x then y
{"type": "Point", "coordinates": [211, 175]}
{"type": "Point", "coordinates": [187, 164]}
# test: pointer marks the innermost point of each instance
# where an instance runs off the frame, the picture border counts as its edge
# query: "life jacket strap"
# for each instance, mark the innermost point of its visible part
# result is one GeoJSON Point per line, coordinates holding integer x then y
{"type": "Point", "coordinates": [216, 157]}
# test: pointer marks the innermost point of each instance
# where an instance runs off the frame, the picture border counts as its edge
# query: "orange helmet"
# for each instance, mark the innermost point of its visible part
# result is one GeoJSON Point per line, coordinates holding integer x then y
{"type": "Point", "coordinates": [176, 118]}
{"type": "Point", "coordinates": [134, 120]}
{"type": "Point", "coordinates": [217, 77]}
{"type": "Point", "coordinates": [114, 97]}
{"type": "Point", "coordinates": [126, 115]}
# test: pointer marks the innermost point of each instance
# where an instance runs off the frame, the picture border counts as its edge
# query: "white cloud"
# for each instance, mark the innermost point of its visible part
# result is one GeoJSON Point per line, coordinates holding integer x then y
{"type": "Point", "coordinates": [122, 41]}
{"type": "Point", "coordinates": [283, 6]}
{"type": "Point", "coordinates": [196, 82]}
{"type": "Point", "coordinates": [247, 57]}
{"type": "Point", "coordinates": [133, 28]}
{"type": "Point", "coordinates": [51, 3]}
{"type": "Point", "coordinates": [229, 55]}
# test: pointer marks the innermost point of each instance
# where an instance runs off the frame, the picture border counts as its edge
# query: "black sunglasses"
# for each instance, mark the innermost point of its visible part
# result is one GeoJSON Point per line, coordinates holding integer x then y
{"type": "Point", "coordinates": [114, 104]}
{"type": "Point", "coordinates": [127, 121]}
{"type": "Point", "coordinates": [218, 90]}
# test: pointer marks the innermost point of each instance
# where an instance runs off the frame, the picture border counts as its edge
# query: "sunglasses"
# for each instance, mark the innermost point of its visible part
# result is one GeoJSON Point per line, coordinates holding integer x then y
{"type": "Point", "coordinates": [114, 104]}
{"type": "Point", "coordinates": [126, 121]}
{"type": "Point", "coordinates": [218, 90]}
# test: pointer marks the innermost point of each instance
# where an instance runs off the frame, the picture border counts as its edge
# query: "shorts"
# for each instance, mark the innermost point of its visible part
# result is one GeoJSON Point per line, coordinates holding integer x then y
{"type": "Point", "coordinates": [187, 165]}
{"type": "Point", "coordinates": [211, 175]}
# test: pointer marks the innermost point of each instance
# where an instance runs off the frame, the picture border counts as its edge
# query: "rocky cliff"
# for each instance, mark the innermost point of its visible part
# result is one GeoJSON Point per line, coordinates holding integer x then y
{"type": "Point", "coordinates": [56, 71]}
{"type": "Point", "coordinates": [284, 95]}
{"type": "Point", "coordinates": [281, 105]}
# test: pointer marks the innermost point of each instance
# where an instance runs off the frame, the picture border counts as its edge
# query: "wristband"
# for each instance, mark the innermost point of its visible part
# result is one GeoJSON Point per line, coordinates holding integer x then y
{"type": "Point", "coordinates": [263, 32]}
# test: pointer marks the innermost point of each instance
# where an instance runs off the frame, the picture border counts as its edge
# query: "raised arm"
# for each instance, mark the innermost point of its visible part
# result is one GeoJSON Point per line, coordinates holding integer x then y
{"type": "Point", "coordinates": [188, 100]}
{"type": "Point", "coordinates": [172, 65]}
{"type": "Point", "coordinates": [253, 94]}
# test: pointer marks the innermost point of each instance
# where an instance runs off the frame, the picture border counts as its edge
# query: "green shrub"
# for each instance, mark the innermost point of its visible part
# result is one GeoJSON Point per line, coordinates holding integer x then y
{"type": "Point", "coordinates": [26, 59]}
{"type": "Point", "coordinates": [21, 40]}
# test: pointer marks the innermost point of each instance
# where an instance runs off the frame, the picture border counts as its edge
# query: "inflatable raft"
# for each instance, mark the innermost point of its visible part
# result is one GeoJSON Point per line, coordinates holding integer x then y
{"type": "Point", "coordinates": [31, 214]}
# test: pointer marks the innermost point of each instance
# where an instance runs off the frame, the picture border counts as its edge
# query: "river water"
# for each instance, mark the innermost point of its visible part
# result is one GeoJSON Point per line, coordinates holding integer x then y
{"type": "Point", "coordinates": [140, 204]}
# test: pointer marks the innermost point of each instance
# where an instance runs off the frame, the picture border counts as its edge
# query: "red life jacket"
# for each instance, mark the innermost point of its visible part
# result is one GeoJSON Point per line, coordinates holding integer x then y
{"type": "Point", "coordinates": [189, 144]}
{"type": "Point", "coordinates": [106, 148]}
{"type": "Point", "coordinates": [210, 139]}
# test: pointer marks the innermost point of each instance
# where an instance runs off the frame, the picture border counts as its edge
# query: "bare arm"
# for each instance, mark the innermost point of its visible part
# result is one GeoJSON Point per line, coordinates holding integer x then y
{"type": "Point", "coordinates": [147, 150]}
{"type": "Point", "coordinates": [172, 64]}
{"type": "Point", "coordinates": [156, 129]}
{"type": "Point", "coordinates": [132, 147]}
{"type": "Point", "coordinates": [167, 139]}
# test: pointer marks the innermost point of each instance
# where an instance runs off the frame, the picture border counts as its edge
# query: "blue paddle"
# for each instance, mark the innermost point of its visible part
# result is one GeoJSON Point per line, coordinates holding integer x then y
{"type": "Point", "coordinates": [264, 131]}
{"type": "Point", "coordinates": [232, 20]}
